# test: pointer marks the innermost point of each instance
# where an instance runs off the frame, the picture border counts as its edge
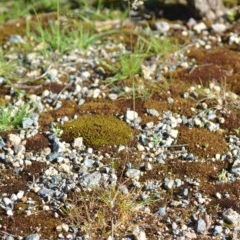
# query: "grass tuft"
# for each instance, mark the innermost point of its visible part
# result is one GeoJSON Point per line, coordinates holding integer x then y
{"type": "Point", "coordinates": [12, 116]}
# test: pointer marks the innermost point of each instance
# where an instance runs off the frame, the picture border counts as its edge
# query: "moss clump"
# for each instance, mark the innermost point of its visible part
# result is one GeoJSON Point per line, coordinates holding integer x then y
{"type": "Point", "coordinates": [98, 130]}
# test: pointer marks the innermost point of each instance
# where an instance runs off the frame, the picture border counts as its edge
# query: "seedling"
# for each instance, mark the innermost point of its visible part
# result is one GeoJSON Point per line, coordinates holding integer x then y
{"type": "Point", "coordinates": [224, 176]}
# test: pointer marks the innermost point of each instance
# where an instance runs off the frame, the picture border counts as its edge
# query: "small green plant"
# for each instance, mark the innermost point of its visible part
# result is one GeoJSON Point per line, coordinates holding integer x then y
{"type": "Point", "coordinates": [223, 176]}
{"type": "Point", "coordinates": [149, 44]}
{"type": "Point", "coordinates": [12, 116]}
{"type": "Point", "coordinates": [6, 67]}
{"type": "Point", "coordinates": [237, 131]}
{"type": "Point", "coordinates": [57, 131]}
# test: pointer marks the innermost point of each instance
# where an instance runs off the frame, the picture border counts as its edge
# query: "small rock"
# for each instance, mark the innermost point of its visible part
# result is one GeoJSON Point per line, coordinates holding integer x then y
{"type": "Point", "coordinates": [123, 189]}
{"type": "Point", "coordinates": [113, 96]}
{"type": "Point", "coordinates": [9, 212]}
{"type": "Point", "coordinates": [133, 173]}
{"type": "Point", "coordinates": [45, 192]}
{"type": "Point", "coordinates": [139, 234]}
{"type": "Point", "coordinates": [53, 74]}
{"type": "Point", "coordinates": [27, 122]}
{"type": "Point", "coordinates": [20, 194]}
{"type": "Point", "coordinates": [217, 230]}
{"type": "Point", "coordinates": [96, 93]}
{"type": "Point", "coordinates": [34, 236]}
{"type": "Point", "coordinates": [153, 112]}
{"type": "Point", "coordinates": [173, 133]}
{"type": "Point", "coordinates": [170, 100]}
{"type": "Point", "coordinates": [148, 166]}
{"type": "Point", "coordinates": [161, 211]}
{"type": "Point", "coordinates": [219, 27]}
{"type": "Point", "coordinates": [91, 180]}
{"type": "Point", "coordinates": [236, 168]}
{"type": "Point", "coordinates": [168, 183]}
{"type": "Point", "coordinates": [231, 217]}
{"type": "Point", "coordinates": [52, 156]}
{"type": "Point", "coordinates": [16, 39]}
{"type": "Point", "coordinates": [9, 237]}
{"type": "Point", "coordinates": [131, 115]}
{"type": "Point", "coordinates": [190, 235]}
{"type": "Point", "coordinates": [199, 27]}
{"type": "Point", "coordinates": [140, 147]}
{"type": "Point", "coordinates": [78, 143]}
{"type": "Point", "coordinates": [14, 139]}
{"type": "Point", "coordinates": [162, 26]}
{"type": "Point", "coordinates": [88, 163]}
{"type": "Point", "coordinates": [218, 195]}
{"type": "Point", "coordinates": [65, 227]}
{"type": "Point", "coordinates": [200, 226]}
{"type": "Point", "coordinates": [65, 167]}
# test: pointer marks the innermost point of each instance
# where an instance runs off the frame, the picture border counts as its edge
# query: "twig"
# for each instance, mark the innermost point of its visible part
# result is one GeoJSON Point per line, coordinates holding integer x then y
{"type": "Point", "coordinates": [44, 74]}
{"type": "Point", "coordinates": [177, 145]}
{"type": "Point", "coordinates": [69, 84]}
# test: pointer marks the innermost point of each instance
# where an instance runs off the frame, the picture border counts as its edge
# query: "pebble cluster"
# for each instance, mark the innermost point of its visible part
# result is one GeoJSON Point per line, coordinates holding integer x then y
{"type": "Point", "coordinates": [76, 167]}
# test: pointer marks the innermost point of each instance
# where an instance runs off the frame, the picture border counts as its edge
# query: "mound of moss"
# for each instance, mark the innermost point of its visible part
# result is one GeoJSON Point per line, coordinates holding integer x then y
{"type": "Point", "coordinates": [98, 130]}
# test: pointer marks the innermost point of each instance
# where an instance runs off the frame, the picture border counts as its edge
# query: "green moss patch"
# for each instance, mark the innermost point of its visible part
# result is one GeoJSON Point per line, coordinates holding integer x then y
{"type": "Point", "coordinates": [97, 130]}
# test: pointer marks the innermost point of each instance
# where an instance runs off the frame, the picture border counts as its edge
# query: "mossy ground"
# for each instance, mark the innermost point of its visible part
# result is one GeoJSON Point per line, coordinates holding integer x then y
{"type": "Point", "coordinates": [98, 130]}
{"type": "Point", "coordinates": [202, 143]}
{"type": "Point", "coordinates": [220, 64]}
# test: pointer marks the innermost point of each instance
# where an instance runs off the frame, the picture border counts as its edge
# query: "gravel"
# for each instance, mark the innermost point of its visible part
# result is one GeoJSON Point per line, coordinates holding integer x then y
{"type": "Point", "coordinates": [70, 167]}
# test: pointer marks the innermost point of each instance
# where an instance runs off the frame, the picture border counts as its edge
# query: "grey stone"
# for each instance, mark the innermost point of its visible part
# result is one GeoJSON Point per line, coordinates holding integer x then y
{"type": "Point", "coordinates": [219, 27]}
{"type": "Point", "coordinates": [185, 192]}
{"type": "Point", "coordinates": [45, 192]}
{"type": "Point", "coordinates": [34, 236]}
{"type": "Point", "coordinates": [16, 39]}
{"type": "Point", "coordinates": [200, 226]}
{"type": "Point", "coordinates": [27, 122]}
{"type": "Point", "coordinates": [91, 180]}
{"type": "Point", "coordinates": [153, 112]}
{"type": "Point", "coordinates": [231, 217]}
{"type": "Point", "coordinates": [217, 230]}
{"type": "Point", "coordinates": [9, 238]}
{"type": "Point", "coordinates": [88, 163]}
{"type": "Point", "coordinates": [53, 156]}
{"type": "Point", "coordinates": [2, 143]}
{"type": "Point", "coordinates": [168, 183]}
{"type": "Point", "coordinates": [133, 173]}
{"type": "Point", "coordinates": [162, 26]}
{"type": "Point", "coordinates": [236, 168]}
{"type": "Point", "coordinates": [161, 211]}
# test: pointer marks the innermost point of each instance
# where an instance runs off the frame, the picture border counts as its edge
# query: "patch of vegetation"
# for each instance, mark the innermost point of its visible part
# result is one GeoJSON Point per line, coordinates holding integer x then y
{"type": "Point", "coordinates": [12, 116]}
{"type": "Point", "coordinates": [98, 130]}
{"type": "Point", "coordinates": [6, 67]}
{"type": "Point", "coordinates": [106, 212]}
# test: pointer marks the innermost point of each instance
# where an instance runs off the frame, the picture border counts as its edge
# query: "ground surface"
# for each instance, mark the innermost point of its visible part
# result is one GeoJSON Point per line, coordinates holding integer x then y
{"type": "Point", "coordinates": [174, 172]}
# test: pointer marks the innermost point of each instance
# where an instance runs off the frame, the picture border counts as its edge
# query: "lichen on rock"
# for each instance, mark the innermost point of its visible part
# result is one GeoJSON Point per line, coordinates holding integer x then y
{"type": "Point", "coordinates": [98, 130]}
